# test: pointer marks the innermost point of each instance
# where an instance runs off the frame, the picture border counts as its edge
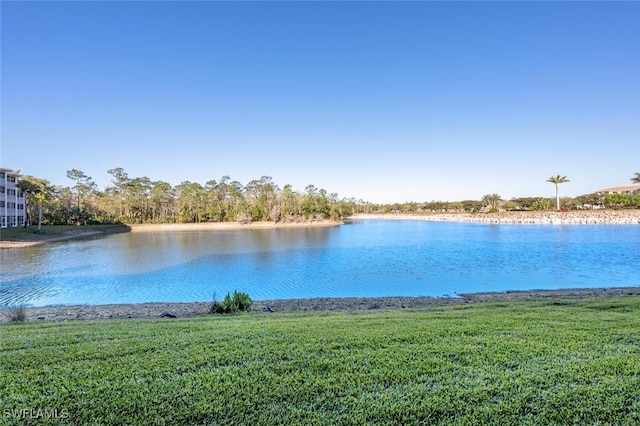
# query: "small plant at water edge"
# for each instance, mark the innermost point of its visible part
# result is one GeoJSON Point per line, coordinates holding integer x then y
{"type": "Point", "coordinates": [230, 304]}
{"type": "Point", "coordinates": [16, 313]}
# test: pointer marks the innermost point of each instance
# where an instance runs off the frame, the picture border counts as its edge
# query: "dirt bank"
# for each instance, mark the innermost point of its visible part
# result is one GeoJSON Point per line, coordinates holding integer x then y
{"type": "Point", "coordinates": [183, 310]}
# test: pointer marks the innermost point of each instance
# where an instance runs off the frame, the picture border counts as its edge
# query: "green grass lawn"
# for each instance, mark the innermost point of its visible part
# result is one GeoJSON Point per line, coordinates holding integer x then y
{"type": "Point", "coordinates": [535, 362]}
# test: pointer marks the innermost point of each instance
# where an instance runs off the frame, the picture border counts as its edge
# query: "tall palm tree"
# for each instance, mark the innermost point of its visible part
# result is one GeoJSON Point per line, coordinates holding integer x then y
{"type": "Point", "coordinates": [636, 178]}
{"type": "Point", "coordinates": [557, 180]}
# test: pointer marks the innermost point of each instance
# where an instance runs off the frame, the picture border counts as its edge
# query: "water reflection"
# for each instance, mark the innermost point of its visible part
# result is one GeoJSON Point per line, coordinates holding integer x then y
{"type": "Point", "coordinates": [365, 258]}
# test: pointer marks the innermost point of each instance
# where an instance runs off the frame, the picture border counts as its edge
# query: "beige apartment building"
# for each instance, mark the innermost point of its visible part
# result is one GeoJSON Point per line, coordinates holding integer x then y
{"type": "Point", "coordinates": [13, 205]}
{"type": "Point", "coordinates": [629, 189]}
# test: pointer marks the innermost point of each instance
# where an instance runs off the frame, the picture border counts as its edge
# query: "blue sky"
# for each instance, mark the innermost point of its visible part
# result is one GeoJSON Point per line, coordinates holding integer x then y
{"type": "Point", "coordinates": [384, 101]}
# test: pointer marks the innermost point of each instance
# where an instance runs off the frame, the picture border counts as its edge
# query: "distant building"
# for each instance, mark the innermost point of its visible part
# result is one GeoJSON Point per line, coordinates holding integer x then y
{"type": "Point", "coordinates": [631, 189]}
{"type": "Point", "coordinates": [12, 200]}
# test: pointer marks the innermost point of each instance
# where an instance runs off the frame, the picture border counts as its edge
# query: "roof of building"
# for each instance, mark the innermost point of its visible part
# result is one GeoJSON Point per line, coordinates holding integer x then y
{"type": "Point", "coordinates": [10, 171]}
{"type": "Point", "coordinates": [628, 188]}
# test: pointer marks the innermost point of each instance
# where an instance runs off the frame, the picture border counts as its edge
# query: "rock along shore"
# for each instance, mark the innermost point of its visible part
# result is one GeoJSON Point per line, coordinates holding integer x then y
{"type": "Point", "coordinates": [572, 217]}
{"type": "Point", "coordinates": [185, 310]}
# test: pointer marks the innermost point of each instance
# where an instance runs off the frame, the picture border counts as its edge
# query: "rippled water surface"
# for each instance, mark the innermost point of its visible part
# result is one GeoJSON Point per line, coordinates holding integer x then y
{"type": "Point", "coordinates": [361, 258]}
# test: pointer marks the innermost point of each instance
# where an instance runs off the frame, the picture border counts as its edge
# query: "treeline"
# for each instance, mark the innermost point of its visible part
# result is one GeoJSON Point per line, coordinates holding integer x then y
{"type": "Point", "coordinates": [494, 202]}
{"type": "Point", "coordinates": [142, 200]}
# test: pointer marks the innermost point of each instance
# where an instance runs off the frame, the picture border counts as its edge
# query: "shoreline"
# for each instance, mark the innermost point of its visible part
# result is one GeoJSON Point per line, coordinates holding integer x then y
{"type": "Point", "coordinates": [232, 226]}
{"type": "Point", "coordinates": [80, 233]}
{"type": "Point", "coordinates": [571, 217]}
{"type": "Point", "coordinates": [76, 234]}
{"type": "Point", "coordinates": [327, 304]}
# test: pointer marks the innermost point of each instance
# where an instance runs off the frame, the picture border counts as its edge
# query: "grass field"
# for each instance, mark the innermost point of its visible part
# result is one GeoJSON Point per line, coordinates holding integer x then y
{"type": "Point", "coordinates": [535, 362]}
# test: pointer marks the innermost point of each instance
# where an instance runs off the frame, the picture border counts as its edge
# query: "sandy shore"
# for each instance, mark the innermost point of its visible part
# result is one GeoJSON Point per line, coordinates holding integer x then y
{"type": "Point", "coordinates": [221, 226]}
{"type": "Point", "coordinates": [76, 234]}
{"type": "Point", "coordinates": [185, 310]}
{"type": "Point", "coordinates": [80, 233]}
{"type": "Point", "coordinates": [572, 217]}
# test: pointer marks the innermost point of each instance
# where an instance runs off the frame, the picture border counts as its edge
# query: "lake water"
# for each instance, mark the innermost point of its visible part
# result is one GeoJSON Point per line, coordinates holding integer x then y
{"type": "Point", "coordinates": [360, 258]}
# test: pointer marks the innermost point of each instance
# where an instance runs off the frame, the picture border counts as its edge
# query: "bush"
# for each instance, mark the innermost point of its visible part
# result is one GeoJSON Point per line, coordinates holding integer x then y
{"type": "Point", "coordinates": [237, 303]}
{"type": "Point", "coordinates": [622, 200]}
{"type": "Point", "coordinates": [215, 306]}
{"type": "Point", "coordinates": [16, 313]}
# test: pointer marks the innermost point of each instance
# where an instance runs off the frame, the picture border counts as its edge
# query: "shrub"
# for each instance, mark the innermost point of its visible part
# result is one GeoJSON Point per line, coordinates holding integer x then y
{"type": "Point", "coordinates": [16, 313]}
{"type": "Point", "coordinates": [215, 306]}
{"type": "Point", "coordinates": [230, 304]}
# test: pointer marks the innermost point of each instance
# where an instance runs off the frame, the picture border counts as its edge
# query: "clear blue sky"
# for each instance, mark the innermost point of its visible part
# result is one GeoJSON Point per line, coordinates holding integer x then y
{"type": "Point", "coordinates": [384, 101]}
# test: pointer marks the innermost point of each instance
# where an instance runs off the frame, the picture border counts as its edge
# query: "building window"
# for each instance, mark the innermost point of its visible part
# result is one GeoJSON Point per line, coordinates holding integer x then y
{"type": "Point", "coordinates": [20, 220]}
{"type": "Point", "coordinates": [1, 189]}
{"type": "Point", "coordinates": [2, 203]}
{"type": "Point", "coordinates": [11, 178]}
{"type": "Point", "coordinates": [11, 192]}
{"type": "Point", "coordinates": [11, 205]}
{"type": "Point", "coordinates": [4, 223]}
{"type": "Point", "coordinates": [1, 175]}
{"type": "Point", "coordinates": [20, 206]}
{"type": "Point", "coordinates": [20, 194]}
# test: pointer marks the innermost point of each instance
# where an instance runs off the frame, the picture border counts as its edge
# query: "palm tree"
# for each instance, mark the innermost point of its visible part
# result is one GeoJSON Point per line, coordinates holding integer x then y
{"type": "Point", "coordinates": [492, 200]}
{"type": "Point", "coordinates": [557, 180]}
{"type": "Point", "coordinates": [636, 178]}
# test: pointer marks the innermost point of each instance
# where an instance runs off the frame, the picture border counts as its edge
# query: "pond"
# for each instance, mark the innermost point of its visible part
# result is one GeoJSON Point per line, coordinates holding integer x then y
{"type": "Point", "coordinates": [361, 258]}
